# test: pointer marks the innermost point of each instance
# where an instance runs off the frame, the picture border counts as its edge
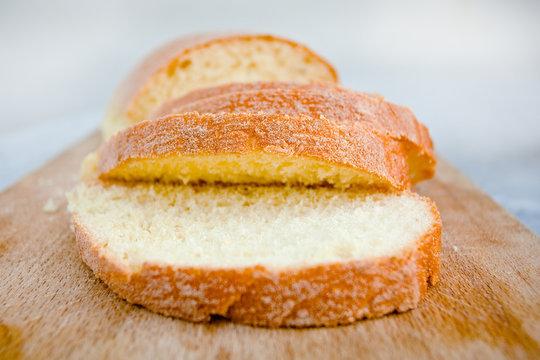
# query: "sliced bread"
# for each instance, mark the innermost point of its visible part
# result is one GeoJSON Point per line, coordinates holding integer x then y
{"type": "Point", "coordinates": [317, 100]}
{"type": "Point", "coordinates": [254, 148]}
{"type": "Point", "coordinates": [204, 60]}
{"type": "Point", "coordinates": [260, 255]}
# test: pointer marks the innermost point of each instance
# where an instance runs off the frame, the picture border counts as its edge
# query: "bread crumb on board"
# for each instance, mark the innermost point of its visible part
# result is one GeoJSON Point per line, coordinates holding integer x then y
{"type": "Point", "coordinates": [50, 206]}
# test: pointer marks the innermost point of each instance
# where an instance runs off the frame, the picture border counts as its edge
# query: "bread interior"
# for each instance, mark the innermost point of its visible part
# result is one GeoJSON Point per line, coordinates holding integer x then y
{"type": "Point", "coordinates": [260, 168]}
{"type": "Point", "coordinates": [279, 227]}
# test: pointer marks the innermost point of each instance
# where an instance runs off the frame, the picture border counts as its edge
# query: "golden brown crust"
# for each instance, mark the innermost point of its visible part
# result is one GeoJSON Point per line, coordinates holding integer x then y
{"type": "Point", "coordinates": [175, 51]}
{"type": "Point", "coordinates": [350, 145]}
{"type": "Point", "coordinates": [316, 100]}
{"type": "Point", "coordinates": [322, 295]}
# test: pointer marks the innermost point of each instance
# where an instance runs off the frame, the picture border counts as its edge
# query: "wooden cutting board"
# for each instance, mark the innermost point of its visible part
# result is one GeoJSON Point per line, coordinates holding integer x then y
{"type": "Point", "coordinates": [486, 306]}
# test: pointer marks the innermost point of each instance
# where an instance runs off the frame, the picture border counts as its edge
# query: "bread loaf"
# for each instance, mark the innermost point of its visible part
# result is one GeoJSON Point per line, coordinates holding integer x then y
{"type": "Point", "coordinates": [270, 203]}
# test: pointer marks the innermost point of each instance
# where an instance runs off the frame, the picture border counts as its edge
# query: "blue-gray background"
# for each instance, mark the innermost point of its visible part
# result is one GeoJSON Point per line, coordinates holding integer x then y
{"type": "Point", "coordinates": [469, 69]}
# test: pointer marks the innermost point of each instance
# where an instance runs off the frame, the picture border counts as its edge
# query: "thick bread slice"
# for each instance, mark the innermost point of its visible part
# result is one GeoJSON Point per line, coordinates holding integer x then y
{"type": "Point", "coordinates": [316, 100]}
{"type": "Point", "coordinates": [199, 61]}
{"type": "Point", "coordinates": [261, 255]}
{"type": "Point", "coordinates": [254, 148]}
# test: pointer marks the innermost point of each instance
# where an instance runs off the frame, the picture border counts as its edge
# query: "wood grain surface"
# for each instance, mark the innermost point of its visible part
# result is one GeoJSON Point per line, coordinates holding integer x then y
{"type": "Point", "coordinates": [487, 304]}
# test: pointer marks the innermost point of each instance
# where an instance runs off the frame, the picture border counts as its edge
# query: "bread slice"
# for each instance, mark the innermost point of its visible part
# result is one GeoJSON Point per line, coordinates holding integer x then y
{"type": "Point", "coordinates": [204, 60]}
{"type": "Point", "coordinates": [317, 100]}
{"type": "Point", "coordinates": [260, 255]}
{"type": "Point", "coordinates": [254, 148]}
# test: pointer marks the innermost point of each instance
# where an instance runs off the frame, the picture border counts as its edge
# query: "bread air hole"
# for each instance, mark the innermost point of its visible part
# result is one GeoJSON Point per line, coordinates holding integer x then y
{"type": "Point", "coordinates": [171, 70]}
{"type": "Point", "coordinates": [185, 64]}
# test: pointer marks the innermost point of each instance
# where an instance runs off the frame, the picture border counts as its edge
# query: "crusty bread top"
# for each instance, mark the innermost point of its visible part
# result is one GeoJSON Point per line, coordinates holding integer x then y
{"type": "Point", "coordinates": [316, 100]}
{"type": "Point", "coordinates": [140, 80]}
{"type": "Point", "coordinates": [352, 153]}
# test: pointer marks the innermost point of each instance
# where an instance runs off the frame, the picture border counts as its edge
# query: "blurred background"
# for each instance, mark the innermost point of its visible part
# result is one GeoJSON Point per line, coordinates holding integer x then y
{"type": "Point", "coordinates": [469, 69]}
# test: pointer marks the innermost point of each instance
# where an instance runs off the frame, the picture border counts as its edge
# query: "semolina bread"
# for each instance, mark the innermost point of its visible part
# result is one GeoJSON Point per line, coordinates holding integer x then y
{"type": "Point", "coordinates": [254, 148]}
{"type": "Point", "coordinates": [260, 255]}
{"type": "Point", "coordinates": [317, 100]}
{"type": "Point", "coordinates": [238, 180]}
{"type": "Point", "coordinates": [199, 61]}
